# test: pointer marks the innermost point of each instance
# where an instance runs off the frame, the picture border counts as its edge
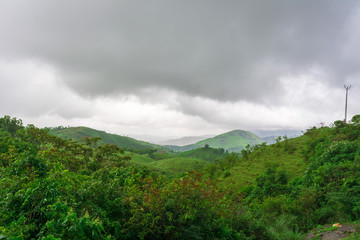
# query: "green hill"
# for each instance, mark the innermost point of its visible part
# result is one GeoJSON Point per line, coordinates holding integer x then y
{"type": "Point", "coordinates": [64, 189]}
{"type": "Point", "coordinates": [169, 164]}
{"type": "Point", "coordinates": [233, 141]}
{"type": "Point", "coordinates": [78, 133]}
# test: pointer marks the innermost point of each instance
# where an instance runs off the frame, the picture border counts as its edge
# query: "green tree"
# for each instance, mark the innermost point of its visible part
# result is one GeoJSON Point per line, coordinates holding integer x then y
{"type": "Point", "coordinates": [10, 125]}
{"type": "Point", "coordinates": [355, 119]}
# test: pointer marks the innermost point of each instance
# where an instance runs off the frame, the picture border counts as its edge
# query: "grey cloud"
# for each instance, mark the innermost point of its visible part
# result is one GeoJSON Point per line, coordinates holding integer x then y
{"type": "Point", "coordinates": [224, 50]}
{"type": "Point", "coordinates": [31, 90]}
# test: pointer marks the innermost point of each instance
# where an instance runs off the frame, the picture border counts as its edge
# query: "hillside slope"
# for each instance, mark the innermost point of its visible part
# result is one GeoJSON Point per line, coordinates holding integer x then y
{"type": "Point", "coordinates": [287, 155]}
{"type": "Point", "coordinates": [78, 133]}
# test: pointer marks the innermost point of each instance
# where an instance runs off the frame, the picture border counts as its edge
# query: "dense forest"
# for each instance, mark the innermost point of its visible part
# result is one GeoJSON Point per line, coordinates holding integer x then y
{"type": "Point", "coordinates": [53, 188]}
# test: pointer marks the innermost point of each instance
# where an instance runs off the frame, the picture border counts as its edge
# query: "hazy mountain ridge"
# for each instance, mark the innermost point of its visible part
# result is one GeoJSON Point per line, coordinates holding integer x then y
{"type": "Point", "coordinates": [185, 140]}
{"type": "Point", "coordinates": [276, 133]}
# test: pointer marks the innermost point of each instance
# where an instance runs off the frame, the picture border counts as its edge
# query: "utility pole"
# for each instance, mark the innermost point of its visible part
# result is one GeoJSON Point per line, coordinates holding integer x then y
{"type": "Point", "coordinates": [347, 89]}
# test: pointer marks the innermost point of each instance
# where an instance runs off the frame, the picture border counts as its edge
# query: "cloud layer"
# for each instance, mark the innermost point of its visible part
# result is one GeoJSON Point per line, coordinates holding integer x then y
{"type": "Point", "coordinates": [227, 64]}
{"type": "Point", "coordinates": [221, 50]}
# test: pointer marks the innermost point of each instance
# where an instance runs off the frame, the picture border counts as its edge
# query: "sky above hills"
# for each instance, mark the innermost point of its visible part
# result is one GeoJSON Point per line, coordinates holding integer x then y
{"type": "Point", "coordinates": [172, 68]}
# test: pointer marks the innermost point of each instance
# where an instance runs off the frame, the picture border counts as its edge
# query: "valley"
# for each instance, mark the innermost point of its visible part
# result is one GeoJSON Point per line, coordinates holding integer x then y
{"type": "Point", "coordinates": [81, 182]}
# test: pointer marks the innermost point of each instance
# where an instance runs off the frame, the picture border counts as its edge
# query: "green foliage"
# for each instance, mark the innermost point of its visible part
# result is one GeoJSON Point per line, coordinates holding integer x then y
{"type": "Point", "coordinates": [10, 125]}
{"type": "Point", "coordinates": [355, 119]}
{"type": "Point", "coordinates": [64, 223]}
{"type": "Point", "coordinates": [189, 208]}
{"type": "Point", "coordinates": [328, 192]}
{"type": "Point", "coordinates": [205, 153]}
{"type": "Point", "coordinates": [339, 124]}
{"type": "Point", "coordinates": [246, 152]}
{"type": "Point", "coordinates": [38, 170]}
{"type": "Point", "coordinates": [52, 188]}
{"type": "Point", "coordinates": [254, 160]}
{"type": "Point", "coordinates": [175, 167]}
{"type": "Point", "coordinates": [221, 167]}
{"type": "Point", "coordinates": [271, 183]}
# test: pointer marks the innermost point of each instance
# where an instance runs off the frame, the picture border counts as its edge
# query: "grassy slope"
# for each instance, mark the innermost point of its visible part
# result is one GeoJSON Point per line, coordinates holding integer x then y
{"type": "Point", "coordinates": [290, 160]}
{"type": "Point", "coordinates": [121, 141]}
{"type": "Point", "coordinates": [246, 171]}
{"type": "Point", "coordinates": [139, 158]}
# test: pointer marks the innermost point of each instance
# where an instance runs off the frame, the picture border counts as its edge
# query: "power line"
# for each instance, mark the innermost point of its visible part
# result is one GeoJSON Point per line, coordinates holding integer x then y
{"type": "Point", "coordinates": [356, 92]}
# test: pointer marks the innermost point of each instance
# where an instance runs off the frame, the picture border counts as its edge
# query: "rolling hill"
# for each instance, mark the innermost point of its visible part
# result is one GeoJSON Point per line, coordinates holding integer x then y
{"type": "Point", "coordinates": [233, 141]}
{"type": "Point", "coordinates": [78, 133]}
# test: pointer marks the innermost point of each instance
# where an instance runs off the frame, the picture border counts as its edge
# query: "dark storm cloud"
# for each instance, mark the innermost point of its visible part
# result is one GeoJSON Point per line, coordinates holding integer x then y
{"type": "Point", "coordinates": [225, 50]}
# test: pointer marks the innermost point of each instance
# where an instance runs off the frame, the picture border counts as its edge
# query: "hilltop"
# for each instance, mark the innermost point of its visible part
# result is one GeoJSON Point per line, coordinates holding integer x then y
{"type": "Point", "coordinates": [233, 141]}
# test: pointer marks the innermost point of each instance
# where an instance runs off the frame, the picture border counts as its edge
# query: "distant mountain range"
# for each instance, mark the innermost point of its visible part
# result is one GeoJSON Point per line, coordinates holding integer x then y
{"type": "Point", "coordinates": [185, 140]}
{"type": "Point", "coordinates": [233, 141]}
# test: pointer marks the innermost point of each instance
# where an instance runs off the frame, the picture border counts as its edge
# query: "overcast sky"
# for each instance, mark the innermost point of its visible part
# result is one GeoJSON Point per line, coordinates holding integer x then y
{"type": "Point", "coordinates": [173, 68]}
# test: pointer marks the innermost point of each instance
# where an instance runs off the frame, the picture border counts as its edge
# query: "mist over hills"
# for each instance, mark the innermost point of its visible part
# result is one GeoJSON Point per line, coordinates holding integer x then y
{"type": "Point", "coordinates": [185, 140]}
{"type": "Point", "coordinates": [275, 133]}
{"type": "Point", "coordinates": [233, 141]}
